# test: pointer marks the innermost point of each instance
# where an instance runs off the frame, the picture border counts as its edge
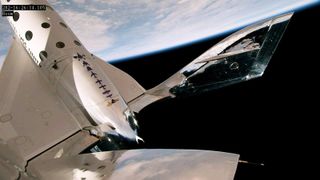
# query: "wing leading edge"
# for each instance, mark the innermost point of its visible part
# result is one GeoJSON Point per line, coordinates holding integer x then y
{"type": "Point", "coordinates": [242, 56]}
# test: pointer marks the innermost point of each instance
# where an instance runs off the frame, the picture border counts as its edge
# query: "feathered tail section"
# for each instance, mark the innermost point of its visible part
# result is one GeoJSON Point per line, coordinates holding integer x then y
{"type": "Point", "coordinates": [240, 57]}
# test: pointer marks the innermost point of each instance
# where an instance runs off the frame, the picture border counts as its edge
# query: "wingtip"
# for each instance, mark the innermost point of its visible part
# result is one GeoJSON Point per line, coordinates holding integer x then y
{"type": "Point", "coordinates": [283, 17]}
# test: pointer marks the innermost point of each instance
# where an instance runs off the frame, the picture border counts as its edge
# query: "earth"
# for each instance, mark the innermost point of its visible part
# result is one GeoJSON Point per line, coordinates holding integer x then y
{"type": "Point", "coordinates": [122, 29]}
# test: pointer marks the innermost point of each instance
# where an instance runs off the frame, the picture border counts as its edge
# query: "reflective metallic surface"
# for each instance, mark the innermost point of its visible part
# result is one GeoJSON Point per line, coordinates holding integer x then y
{"type": "Point", "coordinates": [242, 56]}
{"type": "Point", "coordinates": [140, 164]}
{"type": "Point", "coordinates": [59, 101]}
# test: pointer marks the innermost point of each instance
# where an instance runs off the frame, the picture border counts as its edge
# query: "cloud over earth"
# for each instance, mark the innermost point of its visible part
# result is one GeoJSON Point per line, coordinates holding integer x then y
{"type": "Point", "coordinates": [117, 29]}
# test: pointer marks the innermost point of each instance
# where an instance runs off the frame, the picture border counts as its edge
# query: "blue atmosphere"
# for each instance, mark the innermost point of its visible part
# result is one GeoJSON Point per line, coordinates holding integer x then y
{"type": "Point", "coordinates": [119, 29]}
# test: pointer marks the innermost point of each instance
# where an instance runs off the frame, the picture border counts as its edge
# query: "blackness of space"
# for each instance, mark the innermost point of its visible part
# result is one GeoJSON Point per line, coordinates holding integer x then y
{"type": "Point", "coordinates": [267, 120]}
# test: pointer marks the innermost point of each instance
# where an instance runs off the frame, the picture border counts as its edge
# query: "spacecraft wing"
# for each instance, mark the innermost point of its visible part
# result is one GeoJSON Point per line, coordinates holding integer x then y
{"type": "Point", "coordinates": [242, 56]}
{"type": "Point", "coordinates": [32, 117]}
{"type": "Point", "coordinates": [140, 164]}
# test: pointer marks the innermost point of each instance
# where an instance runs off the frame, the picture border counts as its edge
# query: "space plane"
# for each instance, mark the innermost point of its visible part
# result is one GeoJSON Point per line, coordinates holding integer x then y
{"type": "Point", "coordinates": [59, 103]}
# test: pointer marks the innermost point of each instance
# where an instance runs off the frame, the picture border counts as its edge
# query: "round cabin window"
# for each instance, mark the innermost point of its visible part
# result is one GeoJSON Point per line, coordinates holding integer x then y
{"type": "Point", "coordinates": [16, 16]}
{"type": "Point", "coordinates": [60, 45]}
{"type": "Point", "coordinates": [29, 35]}
{"type": "Point", "coordinates": [43, 55]}
{"type": "Point", "coordinates": [77, 43]}
{"type": "Point", "coordinates": [45, 25]}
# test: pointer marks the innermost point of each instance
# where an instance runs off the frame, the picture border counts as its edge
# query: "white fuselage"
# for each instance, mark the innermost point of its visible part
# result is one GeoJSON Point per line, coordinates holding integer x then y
{"type": "Point", "coordinates": [69, 67]}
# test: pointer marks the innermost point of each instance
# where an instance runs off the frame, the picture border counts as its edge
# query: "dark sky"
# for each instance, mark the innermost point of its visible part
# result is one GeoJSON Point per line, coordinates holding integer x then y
{"type": "Point", "coordinates": [265, 120]}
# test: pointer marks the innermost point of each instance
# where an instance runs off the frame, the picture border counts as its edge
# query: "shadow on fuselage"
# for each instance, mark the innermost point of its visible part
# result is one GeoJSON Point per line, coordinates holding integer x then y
{"type": "Point", "coordinates": [110, 143]}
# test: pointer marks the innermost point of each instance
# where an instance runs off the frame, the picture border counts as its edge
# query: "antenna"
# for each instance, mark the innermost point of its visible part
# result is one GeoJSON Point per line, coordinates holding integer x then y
{"type": "Point", "coordinates": [251, 163]}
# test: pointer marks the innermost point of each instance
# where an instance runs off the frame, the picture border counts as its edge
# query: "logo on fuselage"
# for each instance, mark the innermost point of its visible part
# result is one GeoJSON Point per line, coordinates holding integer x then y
{"type": "Point", "coordinates": [100, 84]}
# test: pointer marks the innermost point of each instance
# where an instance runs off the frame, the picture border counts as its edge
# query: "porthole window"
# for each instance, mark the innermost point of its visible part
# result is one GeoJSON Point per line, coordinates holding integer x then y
{"type": "Point", "coordinates": [43, 55]}
{"type": "Point", "coordinates": [29, 35]}
{"type": "Point", "coordinates": [45, 25]}
{"type": "Point", "coordinates": [60, 44]}
{"type": "Point", "coordinates": [63, 25]}
{"type": "Point", "coordinates": [77, 43]}
{"type": "Point", "coordinates": [16, 16]}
